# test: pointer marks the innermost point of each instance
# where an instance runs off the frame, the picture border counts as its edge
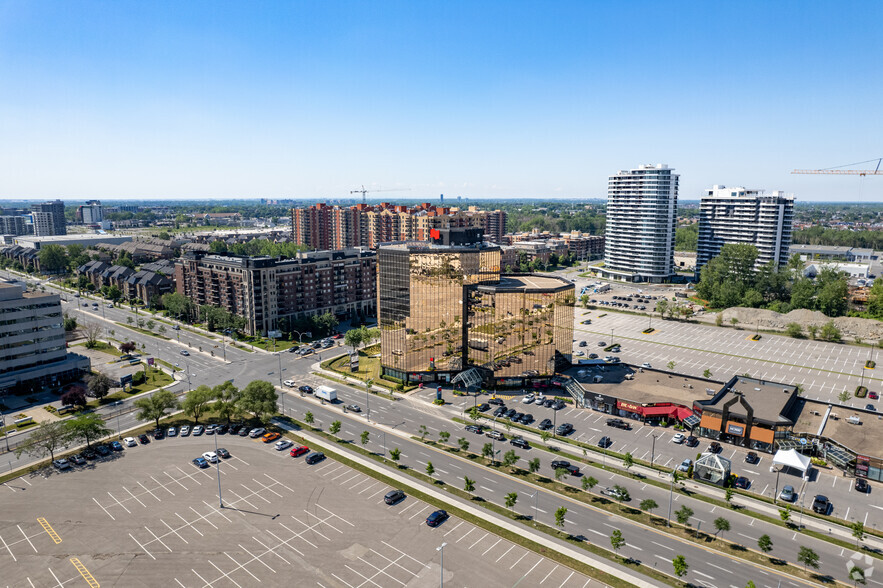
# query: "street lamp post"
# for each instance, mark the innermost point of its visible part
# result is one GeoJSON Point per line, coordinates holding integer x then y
{"type": "Point", "coordinates": [187, 367]}
{"type": "Point", "coordinates": [218, 468]}
{"type": "Point", "coordinates": [535, 500]}
{"type": "Point", "coordinates": [778, 471]}
{"type": "Point", "coordinates": [441, 578]}
{"type": "Point", "coordinates": [671, 490]}
{"type": "Point", "coordinates": [653, 450]}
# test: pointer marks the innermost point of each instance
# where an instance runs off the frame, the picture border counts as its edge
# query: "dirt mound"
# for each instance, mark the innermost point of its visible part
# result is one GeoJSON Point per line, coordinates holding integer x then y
{"type": "Point", "coordinates": [867, 330]}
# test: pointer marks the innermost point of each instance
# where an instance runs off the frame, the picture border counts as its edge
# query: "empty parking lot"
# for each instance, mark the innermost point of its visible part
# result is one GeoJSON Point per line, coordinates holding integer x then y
{"type": "Point", "coordinates": [149, 517]}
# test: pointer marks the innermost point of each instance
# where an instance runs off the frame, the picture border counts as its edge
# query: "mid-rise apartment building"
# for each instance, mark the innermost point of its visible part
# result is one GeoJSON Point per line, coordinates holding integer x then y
{"type": "Point", "coordinates": [739, 215]}
{"type": "Point", "coordinates": [641, 222]}
{"type": "Point", "coordinates": [333, 227]}
{"type": "Point", "coordinates": [265, 290]}
{"type": "Point", "coordinates": [49, 219]}
{"type": "Point", "coordinates": [90, 213]}
{"type": "Point", "coordinates": [33, 350]}
{"type": "Point", "coordinates": [13, 225]}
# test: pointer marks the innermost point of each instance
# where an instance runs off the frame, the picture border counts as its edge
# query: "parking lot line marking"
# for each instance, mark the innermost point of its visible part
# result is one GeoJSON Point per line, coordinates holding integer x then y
{"type": "Point", "coordinates": [491, 547]}
{"type": "Point", "coordinates": [300, 536]}
{"type": "Point", "coordinates": [258, 494]}
{"type": "Point", "coordinates": [367, 579]}
{"type": "Point", "coordinates": [519, 560]}
{"type": "Point", "coordinates": [381, 571]}
{"type": "Point", "coordinates": [56, 577]}
{"type": "Point", "coordinates": [189, 525]}
{"type": "Point", "coordinates": [242, 567]}
{"type": "Point", "coordinates": [396, 563]}
{"type": "Point", "coordinates": [174, 531]}
{"type": "Point", "coordinates": [29, 541]}
{"type": "Point", "coordinates": [201, 578]}
{"type": "Point", "coordinates": [163, 486]}
{"type": "Point", "coordinates": [224, 574]}
{"type": "Point", "coordinates": [454, 529]}
{"type": "Point", "coordinates": [335, 515]}
{"type": "Point", "coordinates": [48, 528]}
{"type": "Point", "coordinates": [200, 516]}
{"type": "Point", "coordinates": [407, 508]}
{"type": "Point", "coordinates": [366, 488]}
{"type": "Point", "coordinates": [158, 539]}
{"type": "Point", "coordinates": [240, 499]}
{"type": "Point", "coordinates": [345, 472]}
{"type": "Point", "coordinates": [362, 481]}
{"type": "Point", "coordinates": [416, 561]}
{"type": "Point", "coordinates": [511, 547]}
{"type": "Point", "coordinates": [416, 514]}
{"type": "Point", "coordinates": [309, 528]}
{"type": "Point", "coordinates": [342, 581]}
{"type": "Point", "coordinates": [255, 558]}
{"type": "Point", "coordinates": [149, 492]}
{"type": "Point", "coordinates": [269, 550]}
{"type": "Point", "coordinates": [141, 546]}
{"type": "Point", "coordinates": [93, 583]}
{"type": "Point", "coordinates": [104, 509]}
{"type": "Point", "coordinates": [7, 548]}
{"type": "Point", "coordinates": [135, 497]}
{"type": "Point", "coordinates": [547, 575]}
{"type": "Point", "coordinates": [176, 480]}
{"type": "Point", "coordinates": [479, 541]}
{"type": "Point", "coordinates": [179, 583]}
{"type": "Point", "coordinates": [267, 488]}
{"type": "Point", "coordinates": [119, 503]}
{"type": "Point", "coordinates": [466, 535]}
{"type": "Point", "coordinates": [348, 480]}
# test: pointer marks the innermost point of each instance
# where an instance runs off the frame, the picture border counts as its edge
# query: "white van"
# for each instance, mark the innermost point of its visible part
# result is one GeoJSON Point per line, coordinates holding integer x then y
{"type": "Point", "coordinates": [326, 393]}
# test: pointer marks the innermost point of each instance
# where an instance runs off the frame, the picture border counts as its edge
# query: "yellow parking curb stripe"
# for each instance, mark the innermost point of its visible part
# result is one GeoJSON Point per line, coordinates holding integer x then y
{"type": "Point", "coordinates": [93, 583]}
{"type": "Point", "coordinates": [48, 528]}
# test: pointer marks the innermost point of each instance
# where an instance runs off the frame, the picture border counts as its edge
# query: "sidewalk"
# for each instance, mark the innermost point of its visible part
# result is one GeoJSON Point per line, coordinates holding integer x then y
{"type": "Point", "coordinates": [511, 526]}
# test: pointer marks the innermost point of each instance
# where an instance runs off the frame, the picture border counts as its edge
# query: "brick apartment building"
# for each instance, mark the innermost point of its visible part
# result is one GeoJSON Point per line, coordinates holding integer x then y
{"type": "Point", "coordinates": [333, 227]}
{"type": "Point", "coordinates": [265, 290]}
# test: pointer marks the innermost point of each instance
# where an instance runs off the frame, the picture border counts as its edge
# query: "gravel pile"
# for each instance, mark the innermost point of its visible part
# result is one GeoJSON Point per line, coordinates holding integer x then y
{"type": "Point", "coordinates": [867, 330]}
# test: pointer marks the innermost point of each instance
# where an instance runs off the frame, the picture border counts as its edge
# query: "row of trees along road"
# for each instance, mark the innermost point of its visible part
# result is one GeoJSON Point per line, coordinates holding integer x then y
{"type": "Point", "coordinates": [730, 280]}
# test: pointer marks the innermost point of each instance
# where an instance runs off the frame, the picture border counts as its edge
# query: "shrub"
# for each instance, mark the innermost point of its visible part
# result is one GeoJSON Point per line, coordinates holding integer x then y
{"type": "Point", "coordinates": [138, 378]}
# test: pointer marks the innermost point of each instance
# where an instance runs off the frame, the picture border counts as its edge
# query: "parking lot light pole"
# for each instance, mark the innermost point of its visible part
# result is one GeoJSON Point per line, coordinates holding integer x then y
{"type": "Point", "coordinates": [778, 471]}
{"type": "Point", "coordinates": [671, 490]}
{"type": "Point", "coordinates": [441, 577]}
{"type": "Point", "coordinates": [535, 500]}
{"type": "Point", "coordinates": [653, 450]}
{"type": "Point", "coordinates": [218, 468]}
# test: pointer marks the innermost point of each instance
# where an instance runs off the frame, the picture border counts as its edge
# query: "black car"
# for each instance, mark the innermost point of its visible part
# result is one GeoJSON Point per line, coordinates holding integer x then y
{"type": "Point", "coordinates": [234, 429]}
{"type": "Point", "coordinates": [144, 439]}
{"type": "Point", "coordinates": [559, 404]}
{"type": "Point", "coordinates": [89, 453]}
{"type": "Point", "coordinates": [102, 450]}
{"type": "Point", "coordinates": [496, 435]}
{"type": "Point", "coordinates": [691, 441]}
{"type": "Point", "coordinates": [511, 413]}
{"type": "Point", "coordinates": [306, 389]}
{"type": "Point", "coordinates": [484, 406]}
{"type": "Point", "coordinates": [715, 447]}
{"type": "Point", "coordinates": [820, 504]}
{"type": "Point", "coordinates": [314, 457]}
{"type": "Point", "coordinates": [752, 458]}
{"type": "Point", "coordinates": [394, 496]}
{"type": "Point", "coordinates": [861, 485]}
{"type": "Point", "coordinates": [158, 434]}
{"type": "Point", "coordinates": [496, 401]}
{"type": "Point", "coordinates": [527, 419]}
{"type": "Point", "coordinates": [475, 429]}
{"type": "Point", "coordinates": [605, 442]}
{"type": "Point", "coordinates": [243, 432]}
{"type": "Point", "coordinates": [548, 402]}
{"type": "Point", "coordinates": [221, 430]}
{"type": "Point", "coordinates": [545, 425]}
{"type": "Point", "coordinates": [614, 422]}
{"type": "Point", "coordinates": [561, 464]}
{"type": "Point", "coordinates": [520, 442]}
{"type": "Point", "coordinates": [742, 482]}
{"type": "Point", "coordinates": [564, 429]}
{"type": "Point", "coordinates": [436, 518]}
{"type": "Point", "coordinates": [518, 416]}
{"type": "Point", "coordinates": [223, 453]}
{"type": "Point", "coordinates": [500, 411]}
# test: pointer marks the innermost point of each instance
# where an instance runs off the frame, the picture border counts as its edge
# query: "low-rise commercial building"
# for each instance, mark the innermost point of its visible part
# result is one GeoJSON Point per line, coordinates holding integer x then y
{"type": "Point", "coordinates": [264, 290]}
{"type": "Point", "coordinates": [33, 352]}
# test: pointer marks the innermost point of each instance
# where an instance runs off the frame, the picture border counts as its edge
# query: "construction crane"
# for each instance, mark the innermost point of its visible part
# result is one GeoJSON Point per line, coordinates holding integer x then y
{"type": "Point", "coordinates": [848, 172]}
{"type": "Point", "coordinates": [363, 191]}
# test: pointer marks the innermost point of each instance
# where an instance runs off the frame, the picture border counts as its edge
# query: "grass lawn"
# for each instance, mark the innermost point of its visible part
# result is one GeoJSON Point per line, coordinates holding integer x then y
{"type": "Point", "coordinates": [104, 347]}
{"type": "Point", "coordinates": [369, 367]}
{"type": "Point", "coordinates": [168, 365]}
{"type": "Point", "coordinates": [267, 344]}
{"type": "Point", "coordinates": [156, 378]}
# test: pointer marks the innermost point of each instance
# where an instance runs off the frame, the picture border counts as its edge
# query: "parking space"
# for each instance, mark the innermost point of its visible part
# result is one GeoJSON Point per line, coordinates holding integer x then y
{"type": "Point", "coordinates": [151, 517]}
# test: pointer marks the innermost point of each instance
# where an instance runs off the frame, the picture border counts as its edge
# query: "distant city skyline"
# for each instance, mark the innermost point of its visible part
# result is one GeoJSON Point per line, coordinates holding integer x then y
{"type": "Point", "coordinates": [169, 101]}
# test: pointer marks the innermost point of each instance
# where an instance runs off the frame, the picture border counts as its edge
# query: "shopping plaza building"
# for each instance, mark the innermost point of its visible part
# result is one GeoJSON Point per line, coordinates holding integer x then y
{"type": "Point", "coordinates": [444, 307]}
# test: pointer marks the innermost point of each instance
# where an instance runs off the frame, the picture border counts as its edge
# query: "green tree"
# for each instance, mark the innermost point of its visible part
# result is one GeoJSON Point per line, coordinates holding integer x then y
{"type": "Point", "coordinates": [728, 495]}
{"type": "Point", "coordinates": [785, 514]}
{"type": "Point", "coordinates": [156, 406]}
{"type": "Point", "coordinates": [309, 418]}
{"type": "Point", "coordinates": [444, 436]}
{"type": "Point", "coordinates": [808, 558]}
{"type": "Point", "coordinates": [46, 439]}
{"type": "Point", "coordinates": [91, 331]}
{"type": "Point", "coordinates": [589, 482]}
{"type": "Point", "coordinates": [680, 566]}
{"type": "Point", "coordinates": [584, 300]}
{"type": "Point", "coordinates": [227, 400]}
{"type": "Point", "coordinates": [857, 575]}
{"type": "Point", "coordinates": [765, 544]}
{"type": "Point", "coordinates": [511, 499]}
{"type": "Point", "coordinates": [130, 320]}
{"type": "Point", "coordinates": [648, 504]}
{"type": "Point", "coordinates": [858, 531]}
{"type": "Point", "coordinates": [622, 494]}
{"type": "Point", "coordinates": [53, 258]}
{"type": "Point", "coordinates": [178, 305]}
{"type": "Point", "coordinates": [430, 469]}
{"type": "Point", "coordinates": [830, 332]}
{"type": "Point", "coordinates": [487, 451]}
{"type": "Point", "coordinates": [510, 458]}
{"type": "Point", "coordinates": [364, 437]}
{"type": "Point", "coordinates": [98, 385]}
{"type": "Point", "coordinates": [560, 513]}
{"type": "Point", "coordinates": [812, 330]}
{"type": "Point", "coordinates": [259, 397]}
{"type": "Point", "coordinates": [395, 454]}
{"type": "Point", "coordinates": [803, 293]}
{"type": "Point", "coordinates": [463, 443]}
{"type": "Point", "coordinates": [628, 461]}
{"type": "Point", "coordinates": [534, 465]}
{"type": "Point", "coordinates": [832, 291]}
{"type": "Point", "coordinates": [671, 366]}
{"type": "Point", "coordinates": [468, 485]}
{"type": "Point", "coordinates": [662, 307]}
{"type": "Point", "coordinates": [354, 338]}
{"type": "Point", "coordinates": [616, 540]}
{"type": "Point", "coordinates": [721, 524]}
{"type": "Point", "coordinates": [560, 474]}
{"type": "Point", "coordinates": [844, 396]}
{"type": "Point", "coordinates": [87, 428]}
{"type": "Point", "coordinates": [683, 514]}
{"type": "Point", "coordinates": [706, 374]}
{"type": "Point", "coordinates": [196, 402]}
{"type": "Point", "coordinates": [423, 432]}
{"type": "Point", "coordinates": [545, 436]}
{"type": "Point", "coordinates": [334, 427]}
{"type": "Point", "coordinates": [474, 413]}
{"type": "Point", "coordinates": [114, 293]}
{"type": "Point", "coordinates": [794, 330]}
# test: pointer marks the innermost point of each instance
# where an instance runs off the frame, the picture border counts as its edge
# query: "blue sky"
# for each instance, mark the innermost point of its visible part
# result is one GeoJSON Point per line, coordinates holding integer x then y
{"type": "Point", "coordinates": [222, 99]}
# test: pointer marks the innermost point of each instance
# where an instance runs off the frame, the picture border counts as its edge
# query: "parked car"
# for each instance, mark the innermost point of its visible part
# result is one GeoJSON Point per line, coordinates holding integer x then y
{"type": "Point", "coordinates": [198, 430]}
{"type": "Point", "coordinates": [500, 411]}
{"type": "Point", "coordinates": [257, 432]}
{"type": "Point", "coordinates": [102, 450]}
{"type": "Point", "coordinates": [282, 445]}
{"type": "Point", "coordinates": [306, 389]}
{"type": "Point", "coordinates": [475, 429]}
{"type": "Point", "coordinates": [527, 399]}
{"type": "Point", "coordinates": [171, 432]}
{"type": "Point", "coordinates": [185, 431]}
{"type": "Point", "coordinates": [200, 462]}
{"type": "Point", "coordinates": [714, 447]}
{"type": "Point", "coordinates": [78, 459]}
{"type": "Point", "coordinates": [221, 429]}
{"type": "Point", "coordinates": [870, 407]}
{"type": "Point", "coordinates": [583, 343]}
{"type": "Point", "coordinates": [752, 457]}
{"type": "Point", "coordinates": [678, 438]}
{"type": "Point", "coordinates": [873, 396]}
{"type": "Point", "coordinates": [692, 441]}
{"type": "Point", "coordinates": [787, 494]}
{"type": "Point", "coordinates": [116, 446]}
{"type": "Point", "coordinates": [511, 413]}
{"type": "Point", "coordinates": [210, 456]}
{"type": "Point", "coordinates": [90, 454]}
{"type": "Point", "coordinates": [496, 401]}
{"type": "Point", "coordinates": [646, 365]}
{"type": "Point", "coordinates": [496, 435]}
{"type": "Point", "coordinates": [61, 464]}
{"type": "Point", "coordinates": [519, 442]}
{"type": "Point", "coordinates": [614, 493]}
{"type": "Point", "coordinates": [353, 408]}
{"type": "Point", "coordinates": [289, 383]}
{"type": "Point", "coordinates": [861, 485]}
{"type": "Point", "coordinates": [436, 518]}
{"type": "Point", "coordinates": [223, 453]}
{"type": "Point", "coordinates": [144, 439]}
{"type": "Point", "coordinates": [270, 437]}
{"type": "Point", "coordinates": [545, 425]}
{"type": "Point", "coordinates": [314, 457]}
{"type": "Point", "coordinates": [564, 429]}
{"type": "Point", "coordinates": [685, 465]}
{"type": "Point", "coordinates": [483, 407]}
{"type": "Point", "coordinates": [210, 429]}
{"type": "Point", "coordinates": [562, 464]}
{"type": "Point", "coordinates": [742, 483]}
{"type": "Point", "coordinates": [393, 496]}
{"type": "Point", "coordinates": [527, 419]}
{"type": "Point", "coordinates": [605, 442]}
{"type": "Point", "coordinates": [158, 434]}
{"type": "Point", "coordinates": [244, 431]}
{"type": "Point", "coordinates": [298, 451]}
{"type": "Point", "coordinates": [821, 504]}
{"type": "Point", "coordinates": [130, 442]}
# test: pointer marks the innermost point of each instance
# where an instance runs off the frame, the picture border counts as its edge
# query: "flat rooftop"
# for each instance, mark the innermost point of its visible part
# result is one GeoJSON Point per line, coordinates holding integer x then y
{"type": "Point", "coordinates": [649, 387]}
{"type": "Point", "coordinates": [865, 439]}
{"type": "Point", "coordinates": [528, 282]}
{"type": "Point", "coordinates": [768, 399]}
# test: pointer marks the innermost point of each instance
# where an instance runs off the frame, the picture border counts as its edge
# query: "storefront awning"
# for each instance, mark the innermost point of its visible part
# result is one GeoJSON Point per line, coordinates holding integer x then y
{"type": "Point", "coordinates": [711, 422]}
{"type": "Point", "coordinates": [657, 410]}
{"type": "Point", "coordinates": [762, 435]}
{"type": "Point", "coordinates": [682, 414]}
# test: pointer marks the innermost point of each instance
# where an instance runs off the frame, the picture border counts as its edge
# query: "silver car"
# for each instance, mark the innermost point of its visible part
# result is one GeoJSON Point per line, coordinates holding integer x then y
{"type": "Point", "coordinates": [787, 494]}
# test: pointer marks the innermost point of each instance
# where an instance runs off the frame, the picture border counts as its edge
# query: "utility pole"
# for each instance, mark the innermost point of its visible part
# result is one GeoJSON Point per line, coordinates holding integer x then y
{"type": "Point", "coordinates": [218, 468]}
{"type": "Point", "coordinates": [441, 549]}
{"type": "Point", "coordinates": [653, 450]}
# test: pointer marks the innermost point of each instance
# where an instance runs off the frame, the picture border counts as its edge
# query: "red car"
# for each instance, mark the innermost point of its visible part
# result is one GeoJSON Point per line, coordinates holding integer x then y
{"type": "Point", "coordinates": [337, 336]}
{"type": "Point", "coordinates": [873, 395]}
{"type": "Point", "coordinates": [298, 451]}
